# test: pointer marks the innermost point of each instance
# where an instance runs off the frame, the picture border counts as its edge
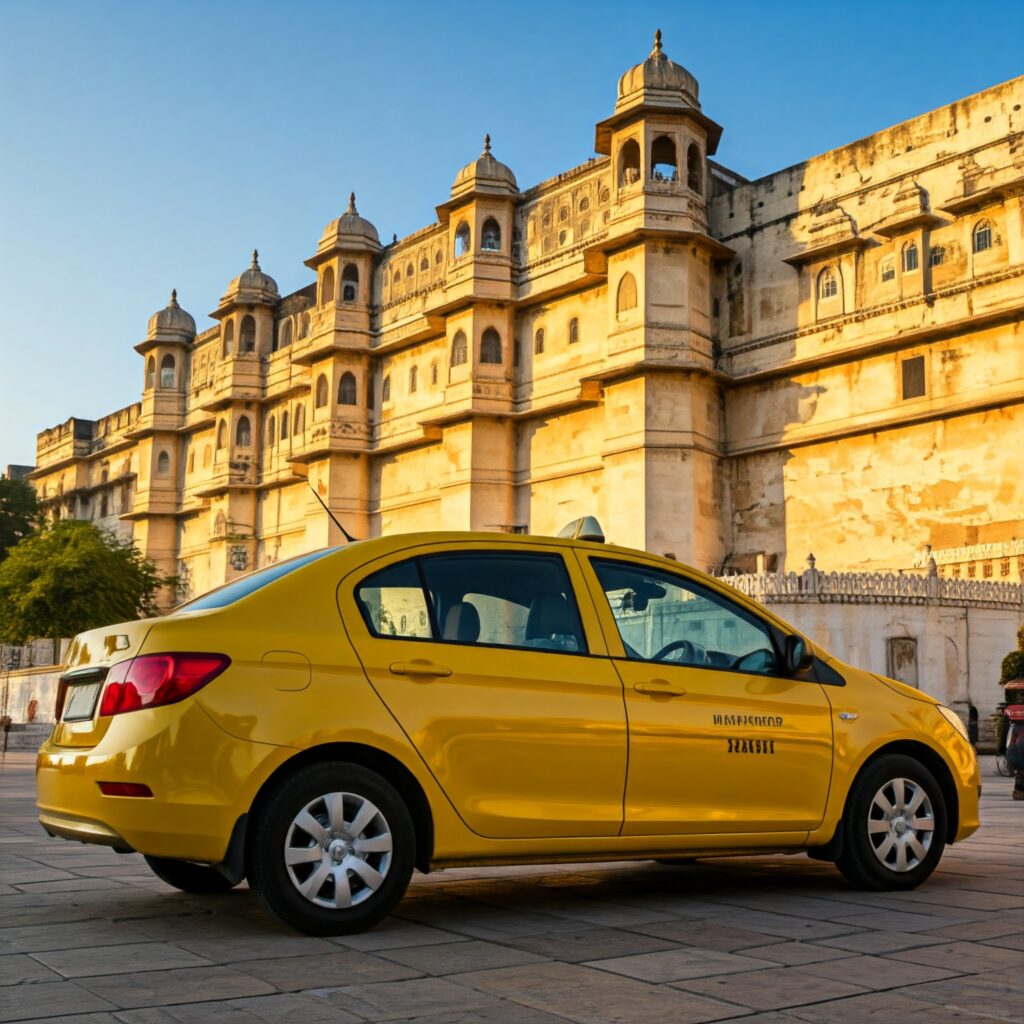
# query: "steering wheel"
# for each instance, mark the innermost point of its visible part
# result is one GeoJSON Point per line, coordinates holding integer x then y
{"type": "Point", "coordinates": [694, 653]}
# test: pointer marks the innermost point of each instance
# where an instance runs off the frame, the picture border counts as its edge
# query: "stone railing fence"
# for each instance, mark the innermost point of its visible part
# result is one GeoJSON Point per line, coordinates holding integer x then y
{"type": "Point", "coordinates": [813, 585]}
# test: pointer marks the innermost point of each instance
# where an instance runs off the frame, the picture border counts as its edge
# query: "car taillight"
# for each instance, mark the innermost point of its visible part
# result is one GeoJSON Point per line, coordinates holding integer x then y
{"type": "Point", "coordinates": [152, 680]}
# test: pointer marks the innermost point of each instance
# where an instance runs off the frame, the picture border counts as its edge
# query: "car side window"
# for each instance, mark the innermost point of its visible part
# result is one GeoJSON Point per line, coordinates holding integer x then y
{"type": "Point", "coordinates": [504, 599]}
{"type": "Point", "coordinates": [668, 618]}
{"type": "Point", "coordinates": [393, 603]}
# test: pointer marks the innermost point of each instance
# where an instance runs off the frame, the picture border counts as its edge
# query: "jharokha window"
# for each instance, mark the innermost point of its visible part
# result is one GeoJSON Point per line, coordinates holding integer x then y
{"type": "Point", "coordinates": [460, 352]}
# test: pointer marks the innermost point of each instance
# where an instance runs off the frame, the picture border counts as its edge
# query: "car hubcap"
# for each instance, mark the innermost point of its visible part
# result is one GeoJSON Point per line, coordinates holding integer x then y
{"type": "Point", "coordinates": [901, 823]}
{"type": "Point", "coordinates": [338, 850]}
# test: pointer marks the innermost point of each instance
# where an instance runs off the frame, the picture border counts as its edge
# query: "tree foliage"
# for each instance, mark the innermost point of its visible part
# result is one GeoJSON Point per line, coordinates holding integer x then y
{"type": "Point", "coordinates": [1013, 663]}
{"type": "Point", "coordinates": [71, 577]}
{"type": "Point", "coordinates": [19, 513]}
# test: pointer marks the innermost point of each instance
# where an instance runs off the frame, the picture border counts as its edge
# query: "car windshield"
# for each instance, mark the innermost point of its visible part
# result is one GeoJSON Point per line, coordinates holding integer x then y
{"type": "Point", "coordinates": [243, 587]}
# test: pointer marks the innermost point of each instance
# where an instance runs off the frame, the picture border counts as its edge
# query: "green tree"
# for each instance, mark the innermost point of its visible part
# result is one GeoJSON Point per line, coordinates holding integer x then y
{"type": "Point", "coordinates": [19, 513]}
{"type": "Point", "coordinates": [71, 577]}
{"type": "Point", "coordinates": [1013, 663]}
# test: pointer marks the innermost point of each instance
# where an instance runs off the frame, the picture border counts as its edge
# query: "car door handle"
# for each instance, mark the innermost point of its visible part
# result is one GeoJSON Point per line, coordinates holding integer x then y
{"type": "Point", "coordinates": [659, 688]}
{"type": "Point", "coordinates": [419, 667]}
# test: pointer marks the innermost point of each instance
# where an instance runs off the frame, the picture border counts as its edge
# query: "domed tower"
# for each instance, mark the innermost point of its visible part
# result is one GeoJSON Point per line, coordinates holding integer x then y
{"type": "Point", "coordinates": [166, 352]}
{"type": "Point", "coordinates": [660, 261]}
{"type": "Point", "coordinates": [246, 313]}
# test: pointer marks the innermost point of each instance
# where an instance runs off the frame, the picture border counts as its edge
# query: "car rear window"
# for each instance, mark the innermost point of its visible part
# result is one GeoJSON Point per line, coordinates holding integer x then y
{"type": "Point", "coordinates": [243, 587]}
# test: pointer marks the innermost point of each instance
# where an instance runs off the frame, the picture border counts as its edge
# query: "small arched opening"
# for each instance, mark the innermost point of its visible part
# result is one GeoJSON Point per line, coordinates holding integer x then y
{"type": "Point", "coordinates": [664, 166]}
{"type": "Point", "coordinates": [327, 287]}
{"type": "Point", "coordinates": [347, 389]}
{"type": "Point", "coordinates": [629, 163]}
{"type": "Point", "coordinates": [300, 420]}
{"type": "Point", "coordinates": [490, 236]}
{"type": "Point", "coordinates": [625, 297]}
{"type": "Point", "coordinates": [167, 372]}
{"type": "Point", "coordinates": [229, 338]}
{"type": "Point", "coordinates": [460, 350]}
{"type": "Point", "coordinates": [538, 341]}
{"type": "Point", "coordinates": [150, 372]}
{"type": "Point", "coordinates": [243, 433]}
{"type": "Point", "coordinates": [284, 425]}
{"type": "Point", "coordinates": [222, 435]}
{"type": "Point", "coordinates": [247, 334]}
{"type": "Point", "coordinates": [321, 392]}
{"type": "Point", "coordinates": [490, 347]}
{"type": "Point", "coordinates": [414, 376]}
{"type": "Point", "coordinates": [272, 432]}
{"type": "Point", "coordinates": [286, 334]}
{"type": "Point", "coordinates": [350, 283]}
{"type": "Point", "coordinates": [163, 467]}
{"type": "Point", "coordinates": [462, 240]}
{"type": "Point", "coordinates": [385, 390]}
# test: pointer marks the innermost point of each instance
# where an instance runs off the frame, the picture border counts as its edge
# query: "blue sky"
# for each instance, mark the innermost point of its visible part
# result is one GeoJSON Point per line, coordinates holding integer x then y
{"type": "Point", "coordinates": [148, 146]}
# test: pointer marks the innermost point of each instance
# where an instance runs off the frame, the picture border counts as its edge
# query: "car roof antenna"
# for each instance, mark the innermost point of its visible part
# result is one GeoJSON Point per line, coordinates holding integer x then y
{"type": "Point", "coordinates": [334, 519]}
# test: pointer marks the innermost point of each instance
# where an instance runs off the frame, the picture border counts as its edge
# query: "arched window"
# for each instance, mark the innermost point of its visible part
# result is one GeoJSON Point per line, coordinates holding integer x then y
{"type": "Point", "coordinates": [247, 335]}
{"type": "Point", "coordinates": [286, 334]}
{"type": "Point", "coordinates": [629, 163]}
{"type": "Point", "coordinates": [414, 374]}
{"type": "Point", "coordinates": [490, 346]}
{"type": "Point", "coordinates": [424, 264]}
{"type": "Point", "coordinates": [222, 435]}
{"type": "Point", "coordinates": [350, 283]}
{"type": "Point", "coordinates": [574, 331]}
{"type": "Point", "coordinates": [347, 389]}
{"type": "Point", "coordinates": [490, 236]}
{"type": "Point", "coordinates": [828, 285]}
{"type": "Point", "coordinates": [167, 372]}
{"type": "Point", "coordinates": [982, 236]}
{"type": "Point", "coordinates": [385, 389]}
{"type": "Point", "coordinates": [243, 433]}
{"type": "Point", "coordinates": [663, 159]}
{"type": "Point", "coordinates": [910, 260]}
{"type": "Point", "coordinates": [229, 338]}
{"type": "Point", "coordinates": [321, 392]}
{"type": "Point", "coordinates": [150, 372]}
{"type": "Point", "coordinates": [433, 373]}
{"type": "Point", "coordinates": [304, 325]}
{"type": "Point", "coordinates": [538, 341]}
{"type": "Point", "coordinates": [163, 467]}
{"type": "Point", "coordinates": [438, 257]}
{"type": "Point", "coordinates": [693, 173]}
{"type": "Point", "coordinates": [460, 351]}
{"type": "Point", "coordinates": [284, 424]}
{"type": "Point", "coordinates": [936, 256]}
{"type": "Point", "coordinates": [584, 204]}
{"type": "Point", "coordinates": [397, 279]}
{"type": "Point", "coordinates": [409, 270]}
{"type": "Point", "coordinates": [327, 287]}
{"type": "Point", "coordinates": [300, 420]}
{"type": "Point", "coordinates": [625, 299]}
{"type": "Point", "coordinates": [271, 431]}
{"type": "Point", "coordinates": [462, 240]}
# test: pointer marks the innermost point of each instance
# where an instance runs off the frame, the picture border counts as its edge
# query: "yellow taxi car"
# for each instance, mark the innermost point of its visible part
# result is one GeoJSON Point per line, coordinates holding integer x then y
{"type": "Point", "coordinates": [324, 725]}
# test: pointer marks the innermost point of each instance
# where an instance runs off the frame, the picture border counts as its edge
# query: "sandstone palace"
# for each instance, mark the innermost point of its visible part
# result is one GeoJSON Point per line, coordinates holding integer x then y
{"type": "Point", "coordinates": [733, 372]}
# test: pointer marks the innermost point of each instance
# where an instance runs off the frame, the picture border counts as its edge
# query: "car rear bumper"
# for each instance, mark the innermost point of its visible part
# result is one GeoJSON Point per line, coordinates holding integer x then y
{"type": "Point", "coordinates": [202, 780]}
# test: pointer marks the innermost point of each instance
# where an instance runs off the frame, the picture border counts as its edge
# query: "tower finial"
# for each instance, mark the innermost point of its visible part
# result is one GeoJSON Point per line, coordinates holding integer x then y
{"type": "Point", "coordinates": [487, 144]}
{"type": "Point", "coordinates": [351, 203]}
{"type": "Point", "coordinates": [656, 52]}
{"type": "Point", "coordinates": [173, 304]}
{"type": "Point", "coordinates": [255, 260]}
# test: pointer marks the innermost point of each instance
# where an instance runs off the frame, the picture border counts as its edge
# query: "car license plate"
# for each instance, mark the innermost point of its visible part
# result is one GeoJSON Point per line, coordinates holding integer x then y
{"type": "Point", "coordinates": [81, 701]}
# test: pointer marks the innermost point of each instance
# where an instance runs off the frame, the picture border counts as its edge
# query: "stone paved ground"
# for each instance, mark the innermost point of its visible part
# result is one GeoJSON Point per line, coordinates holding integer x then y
{"type": "Point", "coordinates": [91, 937]}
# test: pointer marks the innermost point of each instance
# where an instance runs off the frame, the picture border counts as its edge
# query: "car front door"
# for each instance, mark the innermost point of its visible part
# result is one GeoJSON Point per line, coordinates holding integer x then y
{"type": "Point", "coordinates": [500, 678]}
{"type": "Point", "coordinates": [721, 740]}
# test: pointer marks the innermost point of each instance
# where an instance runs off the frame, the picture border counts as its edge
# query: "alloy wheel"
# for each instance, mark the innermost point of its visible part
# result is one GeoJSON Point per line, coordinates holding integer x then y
{"type": "Point", "coordinates": [901, 824]}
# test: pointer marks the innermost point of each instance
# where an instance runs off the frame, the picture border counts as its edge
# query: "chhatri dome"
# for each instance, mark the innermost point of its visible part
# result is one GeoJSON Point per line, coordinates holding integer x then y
{"type": "Point", "coordinates": [485, 174]}
{"type": "Point", "coordinates": [657, 80]}
{"type": "Point", "coordinates": [252, 286]}
{"type": "Point", "coordinates": [172, 319]}
{"type": "Point", "coordinates": [349, 231]}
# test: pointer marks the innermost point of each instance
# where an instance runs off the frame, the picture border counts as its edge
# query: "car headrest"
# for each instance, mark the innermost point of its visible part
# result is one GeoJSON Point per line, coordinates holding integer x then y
{"type": "Point", "coordinates": [550, 616]}
{"type": "Point", "coordinates": [462, 623]}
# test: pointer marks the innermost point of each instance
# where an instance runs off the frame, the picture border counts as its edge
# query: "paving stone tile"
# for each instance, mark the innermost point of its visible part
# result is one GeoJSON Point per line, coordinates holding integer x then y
{"type": "Point", "coordinates": [678, 964]}
{"type": "Point", "coordinates": [776, 988]}
{"type": "Point", "coordinates": [47, 999]}
{"type": "Point", "coordinates": [968, 931]}
{"type": "Point", "coordinates": [708, 935]}
{"type": "Point", "coordinates": [797, 954]}
{"type": "Point", "coordinates": [997, 993]}
{"type": "Point", "coordinates": [589, 944]}
{"type": "Point", "coordinates": [187, 985]}
{"type": "Point", "coordinates": [318, 970]}
{"type": "Point", "coordinates": [396, 934]}
{"type": "Point", "coordinates": [883, 1008]}
{"type": "Point", "coordinates": [966, 957]}
{"type": "Point", "coordinates": [1007, 941]}
{"type": "Point", "coordinates": [399, 1000]}
{"type": "Point", "coordinates": [503, 1013]}
{"type": "Point", "coordinates": [877, 973]}
{"type": "Point", "coordinates": [73, 884]}
{"type": "Point", "coordinates": [459, 957]}
{"type": "Point", "coordinates": [239, 942]}
{"type": "Point", "coordinates": [17, 969]}
{"type": "Point", "coordinates": [589, 996]}
{"type": "Point", "coordinates": [898, 920]}
{"type": "Point", "coordinates": [130, 959]}
{"type": "Point", "coordinates": [255, 1010]}
{"type": "Point", "coordinates": [882, 942]}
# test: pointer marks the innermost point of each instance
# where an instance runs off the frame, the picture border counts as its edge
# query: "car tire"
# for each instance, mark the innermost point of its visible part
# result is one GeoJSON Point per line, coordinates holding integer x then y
{"type": "Point", "coordinates": [188, 876]}
{"type": "Point", "coordinates": [332, 850]}
{"type": "Point", "coordinates": [894, 825]}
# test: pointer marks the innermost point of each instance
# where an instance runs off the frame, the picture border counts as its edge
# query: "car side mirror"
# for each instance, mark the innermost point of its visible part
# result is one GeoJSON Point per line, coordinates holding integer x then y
{"type": "Point", "coordinates": [797, 655]}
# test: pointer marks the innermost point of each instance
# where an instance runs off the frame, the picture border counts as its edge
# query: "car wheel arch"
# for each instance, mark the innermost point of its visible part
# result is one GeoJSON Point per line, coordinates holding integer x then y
{"type": "Point", "coordinates": [930, 759]}
{"type": "Point", "coordinates": [385, 765]}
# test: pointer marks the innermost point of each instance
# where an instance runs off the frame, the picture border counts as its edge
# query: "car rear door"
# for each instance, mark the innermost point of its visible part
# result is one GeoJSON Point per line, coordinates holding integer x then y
{"type": "Point", "coordinates": [498, 674]}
